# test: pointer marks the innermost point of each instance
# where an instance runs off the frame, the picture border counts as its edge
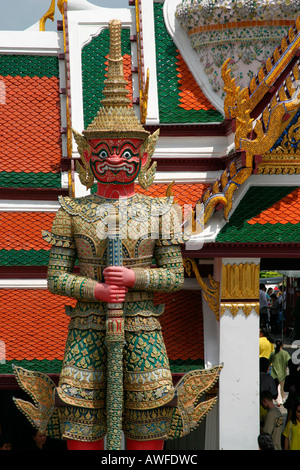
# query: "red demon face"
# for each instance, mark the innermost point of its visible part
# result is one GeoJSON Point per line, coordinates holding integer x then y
{"type": "Point", "coordinates": [115, 161]}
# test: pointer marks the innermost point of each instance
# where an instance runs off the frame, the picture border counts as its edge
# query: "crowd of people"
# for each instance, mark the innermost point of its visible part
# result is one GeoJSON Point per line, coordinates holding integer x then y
{"type": "Point", "coordinates": [272, 305]}
{"type": "Point", "coordinates": [279, 379]}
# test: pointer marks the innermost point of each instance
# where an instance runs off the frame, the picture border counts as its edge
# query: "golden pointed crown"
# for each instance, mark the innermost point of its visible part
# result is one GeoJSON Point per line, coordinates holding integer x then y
{"type": "Point", "coordinates": [115, 118]}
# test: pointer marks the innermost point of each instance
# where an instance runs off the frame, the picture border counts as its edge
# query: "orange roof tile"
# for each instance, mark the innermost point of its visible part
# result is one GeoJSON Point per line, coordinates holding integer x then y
{"type": "Point", "coordinates": [191, 96]}
{"type": "Point", "coordinates": [182, 324]}
{"type": "Point", "coordinates": [33, 324]}
{"type": "Point", "coordinates": [22, 230]}
{"type": "Point", "coordinates": [30, 138]}
{"type": "Point", "coordinates": [184, 193]}
{"type": "Point", "coordinates": [285, 211]}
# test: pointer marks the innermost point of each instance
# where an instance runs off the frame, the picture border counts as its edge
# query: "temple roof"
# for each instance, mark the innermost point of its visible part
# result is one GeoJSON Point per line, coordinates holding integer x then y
{"type": "Point", "coordinates": [179, 96]}
{"type": "Point", "coordinates": [184, 193]}
{"type": "Point", "coordinates": [21, 242]}
{"type": "Point", "coordinates": [265, 215]}
{"type": "Point", "coordinates": [30, 121]}
{"type": "Point", "coordinates": [33, 328]}
{"type": "Point", "coordinates": [266, 120]}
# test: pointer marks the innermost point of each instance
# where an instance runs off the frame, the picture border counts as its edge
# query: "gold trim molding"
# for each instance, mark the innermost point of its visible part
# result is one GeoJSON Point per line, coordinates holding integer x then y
{"type": "Point", "coordinates": [235, 307]}
{"type": "Point", "coordinates": [286, 165]}
{"type": "Point", "coordinates": [211, 293]}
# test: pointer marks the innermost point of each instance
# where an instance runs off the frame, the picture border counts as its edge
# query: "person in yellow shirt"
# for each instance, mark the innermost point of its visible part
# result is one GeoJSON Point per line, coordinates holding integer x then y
{"type": "Point", "coordinates": [291, 432]}
{"type": "Point", "coordinates": [266, 343]}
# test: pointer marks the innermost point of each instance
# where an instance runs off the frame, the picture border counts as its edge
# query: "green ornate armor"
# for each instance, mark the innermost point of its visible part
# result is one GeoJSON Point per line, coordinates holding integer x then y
{"type": "Point", "coordinates": [78, 232]}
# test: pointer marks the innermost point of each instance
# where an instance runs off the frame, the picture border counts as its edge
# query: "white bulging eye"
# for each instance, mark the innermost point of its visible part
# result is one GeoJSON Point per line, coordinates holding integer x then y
{"type": "Point", "coordinates": [127, 154]}
{"type": "Point", "coordinates": [103, 154]}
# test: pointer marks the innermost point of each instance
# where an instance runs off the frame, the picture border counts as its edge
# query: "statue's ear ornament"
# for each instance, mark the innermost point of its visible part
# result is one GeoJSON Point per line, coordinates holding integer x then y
{"type": "Point", "coordinates": [83, 169]}
{"type": "Point", "coordinates": [147, 175]}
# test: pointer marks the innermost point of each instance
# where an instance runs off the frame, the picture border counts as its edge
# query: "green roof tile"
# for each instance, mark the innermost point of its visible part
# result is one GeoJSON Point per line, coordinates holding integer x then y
{"type": "Point", "coordinates": [29, 180]}
{"type": "Point", "coordinates": [29, 65]}
{"type": "Point", "coordinates": [54, 366]}
{"type": "Point", "coordinates": [168, 91]}
{"type": "Point", "coordinates": [24, 257]}
{"type": "Point", "coordinates": [258, 199]}
{"type": "Point", "coordinates": [94, 56]}
{"type": "Point", "coordinates": [45, 366]}
{"type": "Point", "coordinates": [183, 366]}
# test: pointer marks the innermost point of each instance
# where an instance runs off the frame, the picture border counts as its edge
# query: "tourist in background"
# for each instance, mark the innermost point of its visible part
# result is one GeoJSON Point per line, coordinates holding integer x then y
{"type": "Point", "coordinates": [279, 359]}
{"type": "Point", "coordinates": [263, 306]}
{"type": "Point", "coordinates": [291, 432]}
{"type": "Point", "coordinates": [266, 343]}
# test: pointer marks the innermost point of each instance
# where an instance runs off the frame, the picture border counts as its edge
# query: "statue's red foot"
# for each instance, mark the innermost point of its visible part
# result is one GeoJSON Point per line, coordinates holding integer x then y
{"type": "Point", "coordinates": [79, 445]}
{"type": "Point", "coordinates": [144, 445]}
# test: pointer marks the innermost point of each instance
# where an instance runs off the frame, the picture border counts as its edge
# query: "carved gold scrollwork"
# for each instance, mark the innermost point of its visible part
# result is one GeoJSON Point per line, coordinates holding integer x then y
{"type": "Point", "coordinates": [274, 166]}
{"type": "Point", "coordinates": [231, 91]}
{"type": "Point", "coordinates": [147, 175]}
{"type": "Point", "coordinates": [257, 137]}
{"type": "Point", "coordinates": [285, 158]}
{"type": "Point", "coordinates": [211, 293]}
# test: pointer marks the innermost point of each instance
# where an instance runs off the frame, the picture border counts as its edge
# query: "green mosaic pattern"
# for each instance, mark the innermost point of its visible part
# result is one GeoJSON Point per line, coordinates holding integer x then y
{"type": "Point", "coordinates": [258, 199]}
{"type": "Point", "coordinates": [29, 66]}
{"type": "Point", "coordinates": [168, 92]}
{"type": "Point", "coordinates": [94, 56]}
{"type": "Point", "coordinates": [54, 366]}
{"type": "Point", "coordinates": [45, 366]}
{"type": "Point", "coordinates": [29, 180]}
{"type": "Point", "coordinates": [182, 366]}
{"type": "Point", "coordinates": [24, 258]}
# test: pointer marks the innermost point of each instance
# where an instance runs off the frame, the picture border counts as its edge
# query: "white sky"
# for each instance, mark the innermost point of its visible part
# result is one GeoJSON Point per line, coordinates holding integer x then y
{"type": "Point", "coordinates": [17, 15]}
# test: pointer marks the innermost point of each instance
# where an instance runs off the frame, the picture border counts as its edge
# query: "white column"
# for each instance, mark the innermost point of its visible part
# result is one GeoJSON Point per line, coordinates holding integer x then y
{"type": "Point", "coordinates": [211, 358]}
{"type": "Point", "coordinates": [149, 52]}
{"type": "Point", "coordinates": [211, 330]}
{"type": "Point", "coordinates": [239, 352]}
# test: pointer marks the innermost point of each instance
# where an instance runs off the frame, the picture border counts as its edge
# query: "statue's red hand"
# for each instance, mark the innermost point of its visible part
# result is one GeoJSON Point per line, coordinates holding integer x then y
{"type": "Point", "coordinates": [110, 293]}
{"type": "Point", "coordinates": [119, 276]}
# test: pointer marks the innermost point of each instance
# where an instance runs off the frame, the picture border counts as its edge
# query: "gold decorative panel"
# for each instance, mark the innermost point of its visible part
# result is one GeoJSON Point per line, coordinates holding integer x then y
{"type": "Point", "coordinates": [240, 281]}
{"type": "Point", "coordinates": [240, 288]}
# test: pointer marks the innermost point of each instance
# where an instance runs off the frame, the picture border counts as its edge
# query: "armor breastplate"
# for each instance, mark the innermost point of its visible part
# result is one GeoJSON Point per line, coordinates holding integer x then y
{"type": "Point", "coordinates": [139, 230]}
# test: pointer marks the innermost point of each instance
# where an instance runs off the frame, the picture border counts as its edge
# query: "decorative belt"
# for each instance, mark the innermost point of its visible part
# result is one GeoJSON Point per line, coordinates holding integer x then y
{"type": "Point", "coordinates": [135, 296]}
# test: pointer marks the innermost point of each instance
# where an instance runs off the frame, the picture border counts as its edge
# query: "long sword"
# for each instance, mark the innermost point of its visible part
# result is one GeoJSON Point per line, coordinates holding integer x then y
{"type": "Point", "coordinates": [115, 346]}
